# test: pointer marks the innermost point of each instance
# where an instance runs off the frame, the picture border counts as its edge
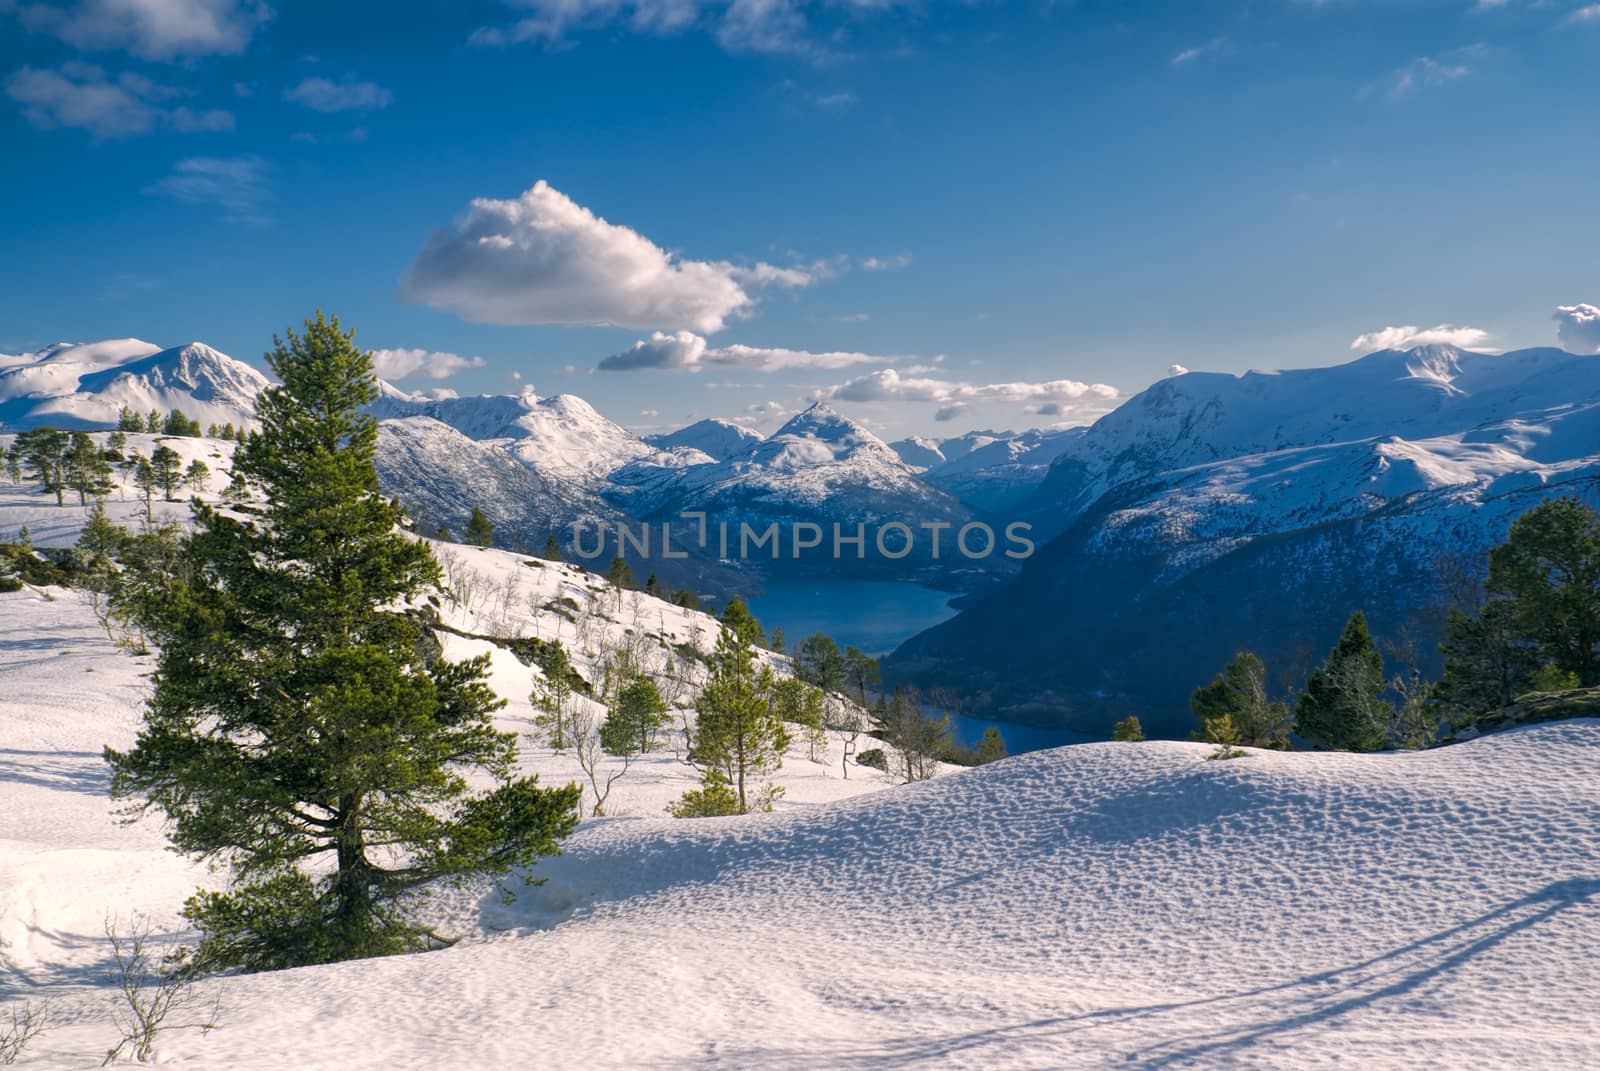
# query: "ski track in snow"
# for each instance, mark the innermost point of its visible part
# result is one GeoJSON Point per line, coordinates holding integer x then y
{"type": "Point", "coordinates": [1091, 906]}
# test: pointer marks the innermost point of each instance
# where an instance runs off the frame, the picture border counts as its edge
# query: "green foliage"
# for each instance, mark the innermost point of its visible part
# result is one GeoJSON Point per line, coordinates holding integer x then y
{"type": "Point", "coordinates": [873, 757]}
{"type": "Point", "coordinates": [1343, 706]}
{"type": "Point", "coordinates": [686, 598]}
{"type": "Point", "coordinates": [1548, 571]}
{"type": "Point", "coordinates": [713, 799]}
{"type": "Point", "coordinates": [797, 703]}
{"type": "Point", "coordinates": [636, 718]}
{"type": "Point", "coordinates": [87, 470]}
{"type": "Point", "coordinates": [1240, 693]}
{"type": "Point", "coordinates": [819, 662]}
{"type": "Point", "coordinates": [128, 420]}
{"type": "Point", "coordinates": [620, 574]}
{"type": "Point", "coordinates": [1486, 665]}
{"type": "Point", "coordinates": [1221, 731]}
{"type": "Point", "coordinates": [991, 746]}
{"type": "Point", "coordinates": [196, 475]}
{"type": "Point", "coordinates": [919, 739]}
{"type": "Point", "coordinates": [166, 464]}
{"type": "Point", "coordinates": [1128, 729]}
{"type": "Point", "coordinates": [1552, 678]}
{"type": "Point", "coordinates": [861, 670]}
{"type": "Point", "coordinates": [737, 732]}
{"type": "Point", "coordinates": [552, 697]}
{"type": "Point", "coordinates": [178, 423]}
{"type": "Point", "coordinates": [42, 452]}
{"type": "Point", "coordinates": [552, 548]}
{"type": "Point", "coordinates": [294, 718]}
{"type": "Point", "coordinates": [480, 529]}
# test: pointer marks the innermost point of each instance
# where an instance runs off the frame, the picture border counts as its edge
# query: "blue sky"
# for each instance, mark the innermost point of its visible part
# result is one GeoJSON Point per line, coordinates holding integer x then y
{"type": "Point", "coordinates": [940, 215]}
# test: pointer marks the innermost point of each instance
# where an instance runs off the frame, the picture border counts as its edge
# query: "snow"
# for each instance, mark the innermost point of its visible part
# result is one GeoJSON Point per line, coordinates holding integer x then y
{"type": "Point", "coordinates": [1083, 907]}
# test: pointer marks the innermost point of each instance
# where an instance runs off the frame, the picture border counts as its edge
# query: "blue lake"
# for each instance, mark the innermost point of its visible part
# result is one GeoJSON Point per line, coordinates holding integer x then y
{"type": "Point", "coordinates": [877, 616]}
{"type": "Point", "coordinates": [874, 615]}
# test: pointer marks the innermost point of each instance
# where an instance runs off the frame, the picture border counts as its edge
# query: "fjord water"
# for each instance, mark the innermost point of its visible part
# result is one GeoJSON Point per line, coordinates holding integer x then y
{"type": "Point", "coordinates": [877, 616]}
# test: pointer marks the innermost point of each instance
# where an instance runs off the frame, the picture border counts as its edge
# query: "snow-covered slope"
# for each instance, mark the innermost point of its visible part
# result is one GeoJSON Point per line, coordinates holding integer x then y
{"type": "Point", "coordinates": [1092, 906]}
{"type": "Point", "coordinates": [1215, 513]}
{"type": "Point", "coordinates": [84, 386]}
{"type": "Point", "coordinates": [718, 439]}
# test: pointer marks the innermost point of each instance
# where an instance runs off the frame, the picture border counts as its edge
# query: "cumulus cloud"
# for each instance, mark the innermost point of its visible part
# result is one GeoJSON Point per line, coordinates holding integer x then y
{"type": "Point", "coordinates": [1579, 327]}
{"type": "Point", "coordinates": [152, 29]}
{"type": "Point", "coordinates": [888, 385]}
{"type": "Point", "coordinates": [83, 96]}
{"type": "Point", "coordinates": [402, 363]}
{"type": "Point", "coordinates": [1411, 336]}
{"type": "Point", "coordinates": [542, 258]}
{"type": "Point", "coordinates": [687, 351]}
{"type": "Point", "coordinates": [1177, 370]}
{"type": "Point", "coordinates": [238, 185]}
{"type": "Point", "coordinates": [319, 94]}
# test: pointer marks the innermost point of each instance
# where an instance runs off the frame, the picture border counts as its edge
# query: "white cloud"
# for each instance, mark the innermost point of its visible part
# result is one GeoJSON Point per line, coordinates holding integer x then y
{"type": "Point", "coordinates": [888, 385]}
{"type": "Point", "coordinates": [1189, 55]}
{"type": "Point", "coordinates": [541, 258]}
{"type": "Point", "coordinates": [399, 364]}
{"type": "Point", "coordinates": [1579, 328]}
{"type": "Point", "coordinates": [238, 185]}
{"type": "Point", "coordinates": [647, 413]}
{"type": "Point", "coordinates": [899, 260]}
{"type": "Point", "coordinates": [1177, 370]}
{"type": "Point", "coordinates": [321, 95]}
{"type": "Point", "coordinates": [687, 351]}
{"type": "Point", "coordinates": [1429, 71]}
{"type": "Point", "coordinates": [82, 96]}
{"type": "Point", "coordinates": [1411, 336]}
{"type": "Point", "coordinates": [1588, 13]}
{"type": "Point", "coordinates": [950, 412]}
{"type": "Point", "coordinates": [153, 29]}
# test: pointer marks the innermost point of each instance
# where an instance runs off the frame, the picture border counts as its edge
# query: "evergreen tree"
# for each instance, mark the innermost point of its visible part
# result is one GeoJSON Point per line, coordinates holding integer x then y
{"type": "Point", "coordinates": [686, 598]}
{"type": "Point", "coordinates": [152, 422]}
{"type": "Point", "coordinates": [296, 716]}
{"type": "Point", "coordinates": [178, 423]}
{"type": "Point", "coordinates": [619, 573]}
{"type": "Point", "coordinates": [1240, 693]}
{"type": "Point", "coordinates": [1343, 707]}
{"type": "Point", "coordinates": [818, 662]}
{"type": "Point", "coordinates": [636, 717]}
{"type": "Point", "coordinates": [166, 463]}
{"type": "Point", "coordinates": [780, 641]}
{"type": "Point", "coordinates": [737, 735]}
{"type": "Point", "coordinates": [43, 450]}
{"type": "Point", "coordinates": [1486, 666]}
{"type": "Point", "coordinates": [795, 702]}
{"type": "Point", "coordinates": [1128, 729]}
{"type": "Point", "coordinates": [443, 534]}
{"type": "Point", "coordinates": [13, 461]}
{"type": "Point", "coordinates": [146, 482]}
{"type": "Point", "coordinates": [1548, 571]}
{"type": "Point", "coordinates": [552, 699]}
{"type": "Point", "coordinates": [991, 746]}
{"type": "Point", "coordinates": [480, 529]}
{"type": "Point", "coordinates": [196, 475]}
{"type": "Point", "coordinates": [861, 670]}
{"type": "Point", "coordinates": [552, 548]}
{"type": "Point", "coordinates": [87, 470]}
{"type": "Point", "coordinates": [128, 420]}
{"type": "Point", "coordinates": [116, 443]}
{"type": "Point", "coordinates": [652, 586]}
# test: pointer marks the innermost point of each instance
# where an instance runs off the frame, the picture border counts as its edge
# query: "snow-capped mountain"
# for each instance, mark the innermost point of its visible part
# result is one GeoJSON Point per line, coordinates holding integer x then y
{"type": "Point", "coordinates": [990, 471]}
{"type": "Point", "coordinates": [84, 386]}
{"type": "Point", "coordinates": [1213, 513]}
{"type": "Point", "coordinates": [561, 437]}
{"type": "Point", "coordinates": [718, 439]}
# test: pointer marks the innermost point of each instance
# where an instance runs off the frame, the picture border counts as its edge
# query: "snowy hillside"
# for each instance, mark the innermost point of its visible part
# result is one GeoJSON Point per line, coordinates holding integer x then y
{"type": "Point", "coordinates": [1215, 513]}
{"type": "Point", "coordinates": [84, 386]}
{"type": "Point", "coordinates": [1098, 905]}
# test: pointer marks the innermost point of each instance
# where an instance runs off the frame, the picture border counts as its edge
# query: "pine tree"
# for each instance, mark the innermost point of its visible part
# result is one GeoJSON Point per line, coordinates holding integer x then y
{"type": "Point", "coordinates": [128, 420]}
{"type": "Point", "coordinates": [480, 529]}
{"type": "Point", "coordinates": [196, 475]}
{"type": "Point", "coordinates": [652, 586]}
{"type": "Point", "coordinates": [636, 717]}
{"type": "Point", "coordinates": [1240, 693]}
{"type": "Point", "coordinates": [552, 548]}
{"type": "Point", "coordinates": [116, 443]}
{"type": "Point", "coordinates": [88, 471]}
{"type": "Point", "coordinates": [296, 716]}
{"type": "Point", "coordinates": [619, 573]}
{"type": "Point", "coordinates": [178, 423]}
{"type": "Point", "coordinates": [1486, 666]}
{"type": "Point", "coordinates": [1548, 571]}
{"type": "Point", "coordinates": [861, 669]}
{"type": "Point", "coordinates": [991, 746]}
{"type": "Point", "coordinates": [13, 461]}
{"type": "Point", "coordinates": [797, 703]}
{"type": "Point", "coordinates": [166, 464]}
{"type": "Point", "coordinates": [780, 641]}
{"type": "Point", "coordinates": [152, 422]}
{"type": "Point", "coordinates": [737, 735]}
{"type": "Point", "coordinates": [146, 482]}
{"type": "Point", "coordinates": [1128, 729]}
{"type": "Point", "coordinates": [818, 662]}
{"type": "Point", "coordinates": [1343, 707]}
{"type": "Point", "coordinates": [43, 450]}
{"type": "Point", "coordinates": [552, 699]}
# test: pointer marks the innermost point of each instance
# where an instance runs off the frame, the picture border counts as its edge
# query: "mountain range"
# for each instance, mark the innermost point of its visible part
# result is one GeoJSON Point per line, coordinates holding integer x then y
{"type": "Point", "coordinates": [1214, 512]}
{"type": "Point", "coordinates": [1210, 513]}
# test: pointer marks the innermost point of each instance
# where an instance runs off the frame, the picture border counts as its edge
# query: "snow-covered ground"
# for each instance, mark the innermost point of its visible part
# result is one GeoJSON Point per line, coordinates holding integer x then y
{"type": "Point", "coordinates": [1098, 905]}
